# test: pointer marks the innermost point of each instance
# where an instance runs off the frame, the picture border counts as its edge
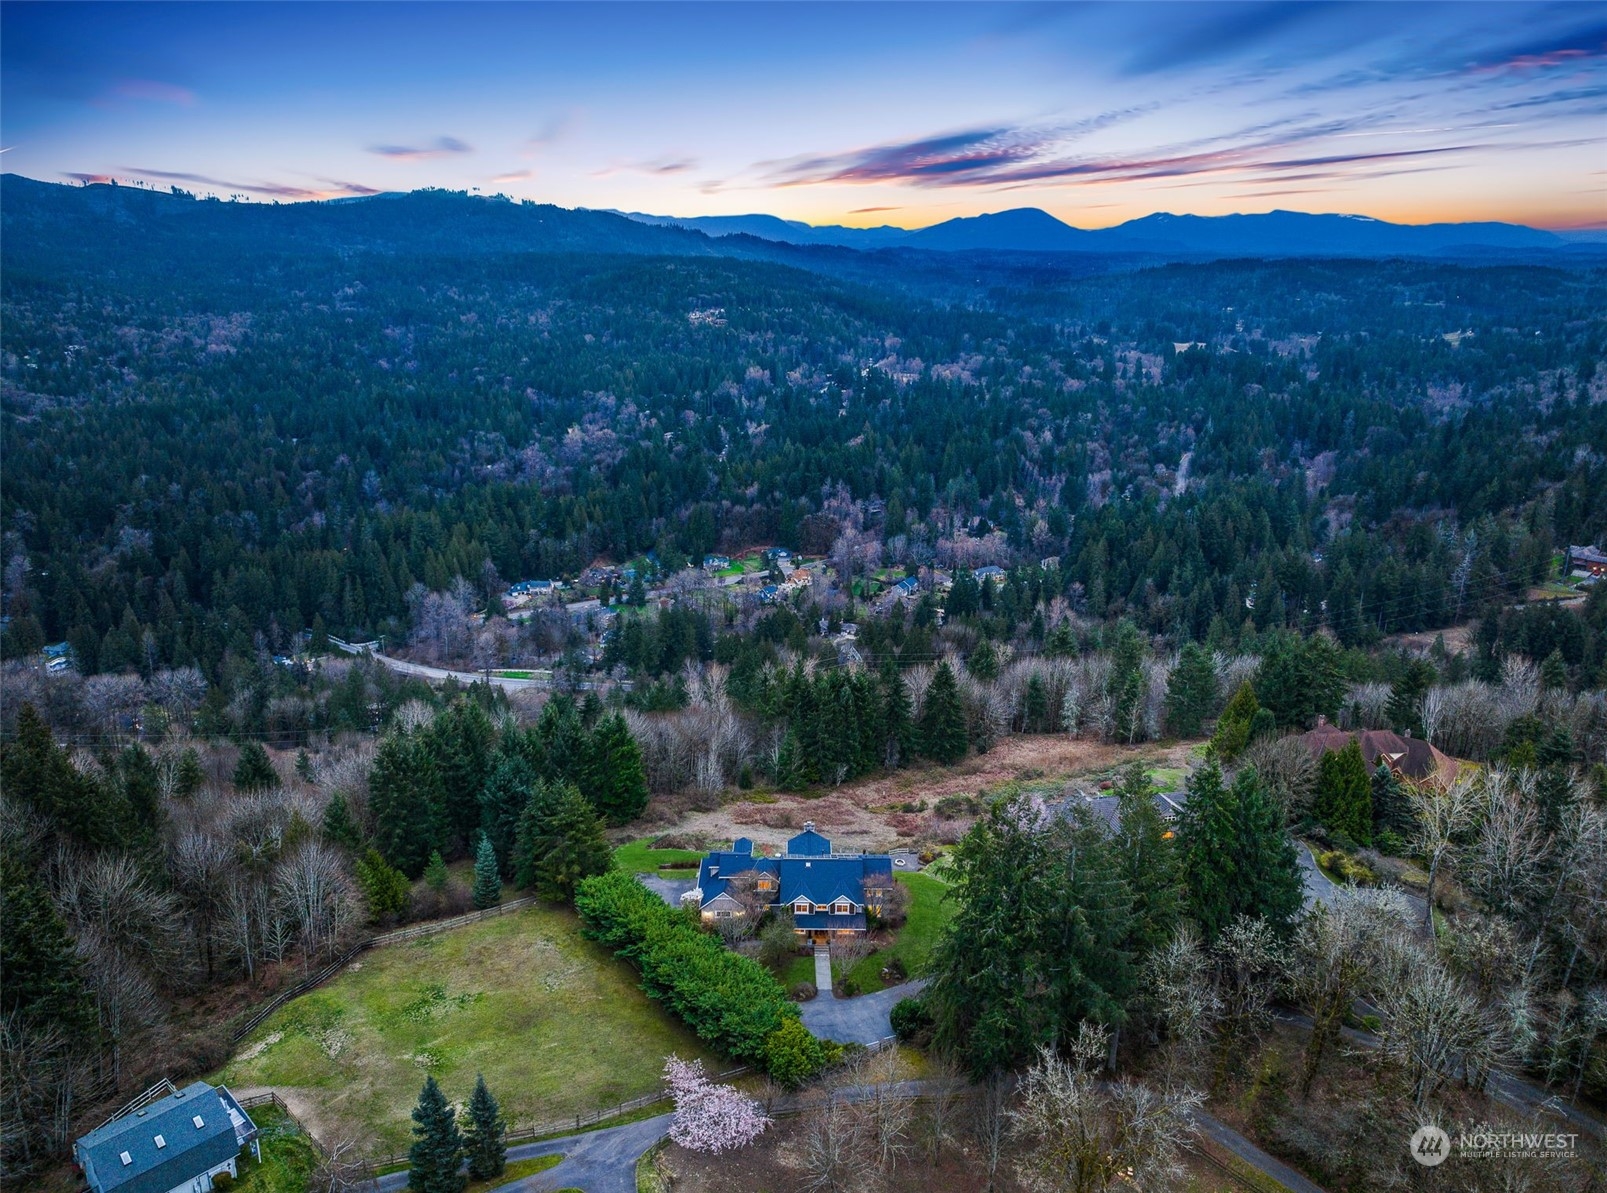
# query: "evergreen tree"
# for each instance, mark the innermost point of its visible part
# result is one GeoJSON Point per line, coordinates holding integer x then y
{"type": "Point", "coordinates": [254, 771]}
{"type": "Point", "coordinates": [1392, 811]}
{"type": "Point", "coordinates": [485, 1135]}
{"type": "Point", "coordinates": [435, 873]}
{"type": "Point", "coordinates": [1405, 707]}
{"type": "Point", "coordinates": [572, 847]}
{"type": "Point", "coordinates": [190, 775]}
{"type": "Point", "coordinates": [459, 742]}
{"type": "Point", "coordinates": [1148, 862]}
{"type": "Point", "coordinates": [984, 662]}
{"type": "Point", "coordinates": [1233, 726]}
{"type": "Point", "coordinates": [1037, 941]}
{"type": "Point", "coordinates": [384, 887]}
{"type": "Point", "coordinates": [304, 765]}
{"type": "Point", "coordinates": [487, 876]}
{"type": "Point", "coordinates": [44, 979]}
{"type": "Point", "coordinates": [616, 779]}
{"type": "Point", "coordinates": [1345, 794]}
{"type": "Point", "coordinates": [436, 1157]}
{"type": "Point", "coordinates": [1554, 672]}
{"type": "Point", "coordinates": [504, 797]}
{"type": "Point", "coordinates": [1125, 686]}
{"type": "Point", "coordinates": [942, 723]}
{"type": "Point", "coordinates": [1035, 706]}
{"type": "Point", "coordinates": [405, 800]}
{"type": "Point", "coordinates": [531, 837]}
{"type": "Point", "coordinates": [1299, 680]}
{"type": "Point", "coordinates": [1190, 692]}
{"type": "Point", "coordinates": [1236, 858]}
{"type": "Point", "coordinates": [899, 742]}
{"type": "Point", "coordinates": [338, 825]}
{"type": "Point", "coordinates": [38, 774]}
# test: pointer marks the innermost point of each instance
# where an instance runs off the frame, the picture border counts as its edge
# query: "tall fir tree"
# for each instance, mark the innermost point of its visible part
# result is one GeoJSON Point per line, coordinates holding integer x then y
{"type": "Point", "coordinates": [1233, 726]}
{"type": "Point", "coordinates": [1037, 941]}
{"type": "Point", "coordinates": [942, 724]}
{"type": "Point", "coordinates": [1345, 793]}
{"type": "Point", "coordinates": [530, 840]}
{"type": "Point", "coordinates": [254, 771]}
{"type": "Point", "coordinates": [435, 873]}
{"type": "Point", "coordinates": [1190, 692]}
{"type": "Point", "coordinates": [338, 825]}
{"type": "Point", "coordinates": [1392, 810]}
{"type": "Point", "coordinates": [436, 1157]}
{"type": "Point", "coordinates": [405, 799]}
{"type": "Point", "coordinates": [487, 876]}
{"type": "Point", "coordinates": [190, 776]}
{"type": "Point", "coordinates": [573, 847]}
{"type": "Point", "coordinates": [385, 888]}
{"type": "Point", "coordinates": [459, 742]}
{"type": "Point", "coordinates": [1124, 688]}
{"type": "Point", "coordinates": [1235, 856]}
{"type": "Point", "coordinates": [1148, 862]}
{"type": "Point", "coordinates": [616, 779]}
{"type": "Point", "coordinates": [485, 1136]}
{"type": "Point", "coordinates": [507, 791]}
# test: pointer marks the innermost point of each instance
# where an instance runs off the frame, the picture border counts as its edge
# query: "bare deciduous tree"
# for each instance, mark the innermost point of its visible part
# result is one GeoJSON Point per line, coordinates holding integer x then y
{"type": "Point", "coordinates": [1085, 1135]}
{"type": "Point", "coordinates": [1442, 813]}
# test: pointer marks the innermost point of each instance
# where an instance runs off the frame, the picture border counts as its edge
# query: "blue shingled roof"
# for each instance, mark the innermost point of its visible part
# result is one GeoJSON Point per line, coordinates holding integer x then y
{"type": "Point", "coordinates": [808, 844]}
{"type": "Point", "coordinates": [187, 1150]}
{"type": "Point", "coordinates": [813, 922]}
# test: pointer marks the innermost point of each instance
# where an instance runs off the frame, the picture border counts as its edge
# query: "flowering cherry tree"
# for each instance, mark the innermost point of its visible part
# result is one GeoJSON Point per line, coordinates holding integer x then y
{"type": "Point", "coordinates": [709, 1117]}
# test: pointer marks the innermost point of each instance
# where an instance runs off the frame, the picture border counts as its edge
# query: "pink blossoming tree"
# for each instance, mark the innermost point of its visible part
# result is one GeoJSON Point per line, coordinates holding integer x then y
{"type": "Point", "coordinates": [709, 1117]}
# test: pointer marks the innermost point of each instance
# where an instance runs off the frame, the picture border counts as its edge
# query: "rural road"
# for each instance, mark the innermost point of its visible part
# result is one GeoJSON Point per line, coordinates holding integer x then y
{"type": "Point", "coordinates": [442, 674]}
{"type": "Point", "coordinates": [595, 1161]}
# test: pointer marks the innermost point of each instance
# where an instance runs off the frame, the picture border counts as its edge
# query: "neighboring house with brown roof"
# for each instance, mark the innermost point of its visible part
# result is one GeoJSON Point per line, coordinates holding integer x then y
{"type": "Point", "coordinates": [1409, 757]}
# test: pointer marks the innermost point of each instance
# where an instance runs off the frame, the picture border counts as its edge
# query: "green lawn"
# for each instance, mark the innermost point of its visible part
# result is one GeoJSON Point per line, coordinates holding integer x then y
{"type": "Point", "coordinates": [799, 969]}
{"type": "Point", "coordinates": [639, 857]}
{"type": "Point", "coordinates": [928, 912]}
{"type": "Point", "coordinates": [288, 1158]}
{"type": "Point", "coordinates": [556, 1024]}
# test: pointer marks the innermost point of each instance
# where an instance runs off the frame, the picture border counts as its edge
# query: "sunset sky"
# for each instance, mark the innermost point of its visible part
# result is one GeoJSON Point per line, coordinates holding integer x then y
{"type": "Point", "coordinates": [864, 114]}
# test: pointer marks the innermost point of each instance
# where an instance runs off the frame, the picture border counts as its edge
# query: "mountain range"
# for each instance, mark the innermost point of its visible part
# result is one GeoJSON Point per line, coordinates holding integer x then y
{"type": "Point", "coordinates": [116, 223]}
{"type": "Point", "coordinates": [1029, 229]}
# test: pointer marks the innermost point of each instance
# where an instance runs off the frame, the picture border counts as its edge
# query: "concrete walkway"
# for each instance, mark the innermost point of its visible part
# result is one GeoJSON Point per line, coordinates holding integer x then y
{"type": "Point", "coordinates": [823, 974]}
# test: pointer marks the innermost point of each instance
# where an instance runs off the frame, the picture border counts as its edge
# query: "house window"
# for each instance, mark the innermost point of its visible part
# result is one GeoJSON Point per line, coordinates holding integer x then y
{"type": "Point", "coordinates": [766, 884]}
{"type": "Point", "coordinates": [801, 907]}
{"type": "Point", "coordinates": [844, 907]}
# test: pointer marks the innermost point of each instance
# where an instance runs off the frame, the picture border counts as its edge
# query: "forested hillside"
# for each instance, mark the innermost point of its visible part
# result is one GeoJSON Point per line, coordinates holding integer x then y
{"type": "Point", "coordinates": [276, 432]}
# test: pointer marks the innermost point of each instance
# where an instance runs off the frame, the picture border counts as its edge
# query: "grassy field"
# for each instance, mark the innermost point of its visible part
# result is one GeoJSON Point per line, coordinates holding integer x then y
{"type": "Point", "coordinates": [556, 1024]}
{"type": "Point", "coordinates": [639, 857]}
{"type": "Point", "coordinates": [928, 912]}
{"type": "Point", "coordinates": [288, 1158]}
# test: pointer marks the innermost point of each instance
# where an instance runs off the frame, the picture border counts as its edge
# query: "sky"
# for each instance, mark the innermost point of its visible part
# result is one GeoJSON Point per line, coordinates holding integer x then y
{"type": "Point", "coordinates": [862, 114]}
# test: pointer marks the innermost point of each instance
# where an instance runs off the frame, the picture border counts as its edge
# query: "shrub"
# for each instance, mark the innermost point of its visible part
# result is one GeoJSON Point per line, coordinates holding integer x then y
{"type": "Point", "coordinates": [912, 1020]}
{"type": "Point", "coordinates": [222, 1183]}
{"type": "Point", "coordinates": [793, 1056]}
{"type": "Point", "coordinates": [727, 999]}
{"type": "Point", "coordinates": [803, 991]}
{"type": "Point", "coordinates": [1347, 867]}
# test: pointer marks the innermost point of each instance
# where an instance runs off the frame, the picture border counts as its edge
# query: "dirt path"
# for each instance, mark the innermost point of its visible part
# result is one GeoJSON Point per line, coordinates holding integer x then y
{"type": "Point", "coordinates": [871, 813]}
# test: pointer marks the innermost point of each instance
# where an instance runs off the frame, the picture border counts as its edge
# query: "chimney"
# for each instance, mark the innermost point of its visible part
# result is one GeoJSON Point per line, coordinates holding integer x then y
{"type": "Point", "coordinates": [809, 826]}
{"type": "Point", "coordinates": [1322, 721]}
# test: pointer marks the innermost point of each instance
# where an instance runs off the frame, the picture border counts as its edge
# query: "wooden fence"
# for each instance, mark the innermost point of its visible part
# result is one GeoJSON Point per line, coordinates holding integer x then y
{"type": "Point", "coordinates": [412, 932]}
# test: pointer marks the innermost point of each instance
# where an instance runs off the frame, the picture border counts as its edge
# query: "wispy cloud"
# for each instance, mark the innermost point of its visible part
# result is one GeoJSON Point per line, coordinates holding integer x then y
{"type": "Point", "coordinates": [868, 210]}
{"type": "Point", "coordinates": [440, 147]}
{"type": "Point", "coordinates": [278, 190]}
{"type": "Point", "coordinates": [513, 176]}
{"type": "Point", "coordinates": [660, 166]}
{"type": "Point", "coordinates": [155, 91]}
{"type": "Point", "coordinates": [1228, 32]}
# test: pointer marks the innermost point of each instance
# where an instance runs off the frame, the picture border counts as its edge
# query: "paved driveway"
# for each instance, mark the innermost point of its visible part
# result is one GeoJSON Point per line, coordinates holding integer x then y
{"type": "Point", "coordinates": [596, 1161]}
{"type": "Point", "coordinates": [861, 1020]}
{"type": "Point", "coordinates": [668, 889]}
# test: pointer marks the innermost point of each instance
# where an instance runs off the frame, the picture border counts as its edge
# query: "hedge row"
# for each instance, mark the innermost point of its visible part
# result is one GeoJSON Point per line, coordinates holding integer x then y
{"type": "Point", "coordinates": [726, 998]}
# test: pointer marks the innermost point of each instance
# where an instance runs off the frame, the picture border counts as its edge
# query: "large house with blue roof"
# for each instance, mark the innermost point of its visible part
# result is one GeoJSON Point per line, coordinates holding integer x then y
{"type": "Point", "coordinates": [176, 1144]}
{"type": "Point", "coordinates": [829, 894]}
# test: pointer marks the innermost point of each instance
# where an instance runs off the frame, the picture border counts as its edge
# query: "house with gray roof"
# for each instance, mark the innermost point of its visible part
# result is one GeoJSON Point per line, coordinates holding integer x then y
{"type": "Point", "coordinates": [176, 1144]}
{"type": "Point", "coordinates": [829, 894]}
